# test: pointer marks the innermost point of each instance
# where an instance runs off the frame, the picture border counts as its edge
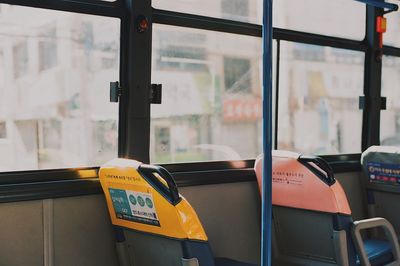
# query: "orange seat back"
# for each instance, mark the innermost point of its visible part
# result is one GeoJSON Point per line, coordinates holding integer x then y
{"type": "Point", "coordinates": [304, 183]}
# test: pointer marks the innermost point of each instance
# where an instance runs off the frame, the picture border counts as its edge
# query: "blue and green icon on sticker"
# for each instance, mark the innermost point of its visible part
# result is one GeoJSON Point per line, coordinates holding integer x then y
{"type": "Point", "coordinates": [149, 203]}
{"type": "Point", "coordinates": [132, 199]}
{"type": "Point", "coordinates": [141, 201]}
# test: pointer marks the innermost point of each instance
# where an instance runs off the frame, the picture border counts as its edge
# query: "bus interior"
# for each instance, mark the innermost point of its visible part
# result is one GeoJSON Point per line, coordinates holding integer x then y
{"type": "Point", "coordinates": [132, 133]}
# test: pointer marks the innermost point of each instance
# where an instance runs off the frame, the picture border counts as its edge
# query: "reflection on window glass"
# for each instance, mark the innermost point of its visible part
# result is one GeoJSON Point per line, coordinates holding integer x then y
{"type": "Point", "coordinates": [318, 99]}
{"type": "Point", "coordinates": [211, 107]}
{"type": "Point", "coordinates": [390, 118]}
{"type": "Point", "coordinates": [55, 69]}
{"type": "Point", "coordinates": [342, 18]}
{"type": "Point", "coordinates": [239, 10]}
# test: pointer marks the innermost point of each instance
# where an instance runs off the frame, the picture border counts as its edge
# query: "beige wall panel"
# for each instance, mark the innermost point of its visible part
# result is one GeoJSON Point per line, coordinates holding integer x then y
{"type": "Point", "coordinates": [230, 214]}
{"type": "Point", "coordinates": [83, 235]}
{"type": "Point", "coordinates": [351, 183]}
{"type": "Point", "coordinates": [21, 233]}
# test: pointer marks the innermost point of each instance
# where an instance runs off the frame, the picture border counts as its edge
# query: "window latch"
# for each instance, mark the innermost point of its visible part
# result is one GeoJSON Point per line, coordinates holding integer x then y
{"type": "Point", "coordinates": [115, 92]}
{"type": "Point", "coordinates": [362, 103]}
{"type": "Point", "coordinates": [383, 103]}
{"type": "Point", "coordinates": [155, 93]}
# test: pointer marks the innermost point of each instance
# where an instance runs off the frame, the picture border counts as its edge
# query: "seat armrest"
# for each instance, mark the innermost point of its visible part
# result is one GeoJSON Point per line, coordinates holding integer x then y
{"type": "Point", "coordinates": [358, 226]}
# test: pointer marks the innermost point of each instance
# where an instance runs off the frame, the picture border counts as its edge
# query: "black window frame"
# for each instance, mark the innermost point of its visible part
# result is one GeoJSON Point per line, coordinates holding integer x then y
{"type": "Point", "coordinates": [341, 162]}
{"type": "Point", "coordinates": [135, 61]}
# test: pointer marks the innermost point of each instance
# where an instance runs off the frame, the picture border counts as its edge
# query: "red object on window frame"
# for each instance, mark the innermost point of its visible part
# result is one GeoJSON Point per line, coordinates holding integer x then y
{"type": "Point", "coordinates": [381, 26]}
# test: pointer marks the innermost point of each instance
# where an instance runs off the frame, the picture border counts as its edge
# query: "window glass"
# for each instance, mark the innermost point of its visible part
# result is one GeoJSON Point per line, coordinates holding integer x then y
{"type": "Point", "coordinates": [239, 10]}
{"type": "Point", "coordinates": [55, 69]}
{"type": "Point", "coordinates": [392, 35]}
{"type": "Point", "coordinates": [390, 118]}
{"type": "Point", "coordinates": [318, 99]}
{"type": "Point", "coordinates": [342, 18]}
{"type": "Point", "coordinates": [211, 107]}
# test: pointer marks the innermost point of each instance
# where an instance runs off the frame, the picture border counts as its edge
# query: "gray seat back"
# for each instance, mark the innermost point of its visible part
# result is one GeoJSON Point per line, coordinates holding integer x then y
{"type": "Point", "coordinates": [381, 166]}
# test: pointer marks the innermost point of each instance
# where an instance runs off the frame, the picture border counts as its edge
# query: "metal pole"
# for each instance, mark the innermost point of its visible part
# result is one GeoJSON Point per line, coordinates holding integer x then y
{"type": "Point", "coordinates": [266, 228]}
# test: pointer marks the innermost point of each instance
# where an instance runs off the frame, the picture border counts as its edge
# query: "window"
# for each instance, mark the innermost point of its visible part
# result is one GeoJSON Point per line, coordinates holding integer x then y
{"type": "Point", "coordinates": [208, 113]}
{"type": "Point", "coordinates": [20, 59]}
{"type": "Point", "coordinates": [109, 62]}
{"type": "Point", "coordinates": [235, 9]}
{"type": "Point", "coordinates": [50, 132]}
{"type": "Point", "coordinates": [342, 18]}
{"type": "Point", "coordinates": [48, 50]}
{"type": "Point", "coordinates": [307, 52]}
{"type": "Point", "coordinates": [390, 118]}
{"type": "Point", "coordinates": [181, 51]}
{"type": "Point", "coordinates": [64, 118]}
{"type": "Point", "coordinates": [239, 10]}
{"type": "Point", "coordinates": [3, 130]}
{"type": "Point", "coordinates": [234, 68]}
{"type": "Point", "coordinates": [105, 140]}
{"type": "Point", "coordinates": [49, 140]}
{"type": "Point", "coordinates": [318, 100]}
{"type": "Point", "coordinates": [162, 136]}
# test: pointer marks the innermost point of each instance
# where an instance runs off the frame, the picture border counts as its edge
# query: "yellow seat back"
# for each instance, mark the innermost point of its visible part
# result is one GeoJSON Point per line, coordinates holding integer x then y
{"type": "Point", "coordinates": [145, 198]}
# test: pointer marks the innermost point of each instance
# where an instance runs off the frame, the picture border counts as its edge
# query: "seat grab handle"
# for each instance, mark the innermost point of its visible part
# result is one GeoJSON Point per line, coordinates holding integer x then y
{"type": "Point", "coordinates": [319, 167]}
{"type": "Point", "coordinates": [170, 191]}
{"type": "Point", "coordinates": [358, 226]}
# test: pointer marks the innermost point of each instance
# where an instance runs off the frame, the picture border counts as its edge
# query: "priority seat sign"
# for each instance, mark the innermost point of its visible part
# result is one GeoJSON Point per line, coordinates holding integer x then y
{"type": "Point", "coordinates": [134, 206]}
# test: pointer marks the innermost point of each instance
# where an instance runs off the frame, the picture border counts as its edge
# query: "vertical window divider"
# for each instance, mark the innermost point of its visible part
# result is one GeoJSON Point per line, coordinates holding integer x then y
{"type": "Point", "coordinates": [372, 81]}
{"type": "Point", "coordinates": [123, 80]}
{"type": "Point", "coordinates": [136, 84]}
{"type": "Point", "coordinates": [278, 57]}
